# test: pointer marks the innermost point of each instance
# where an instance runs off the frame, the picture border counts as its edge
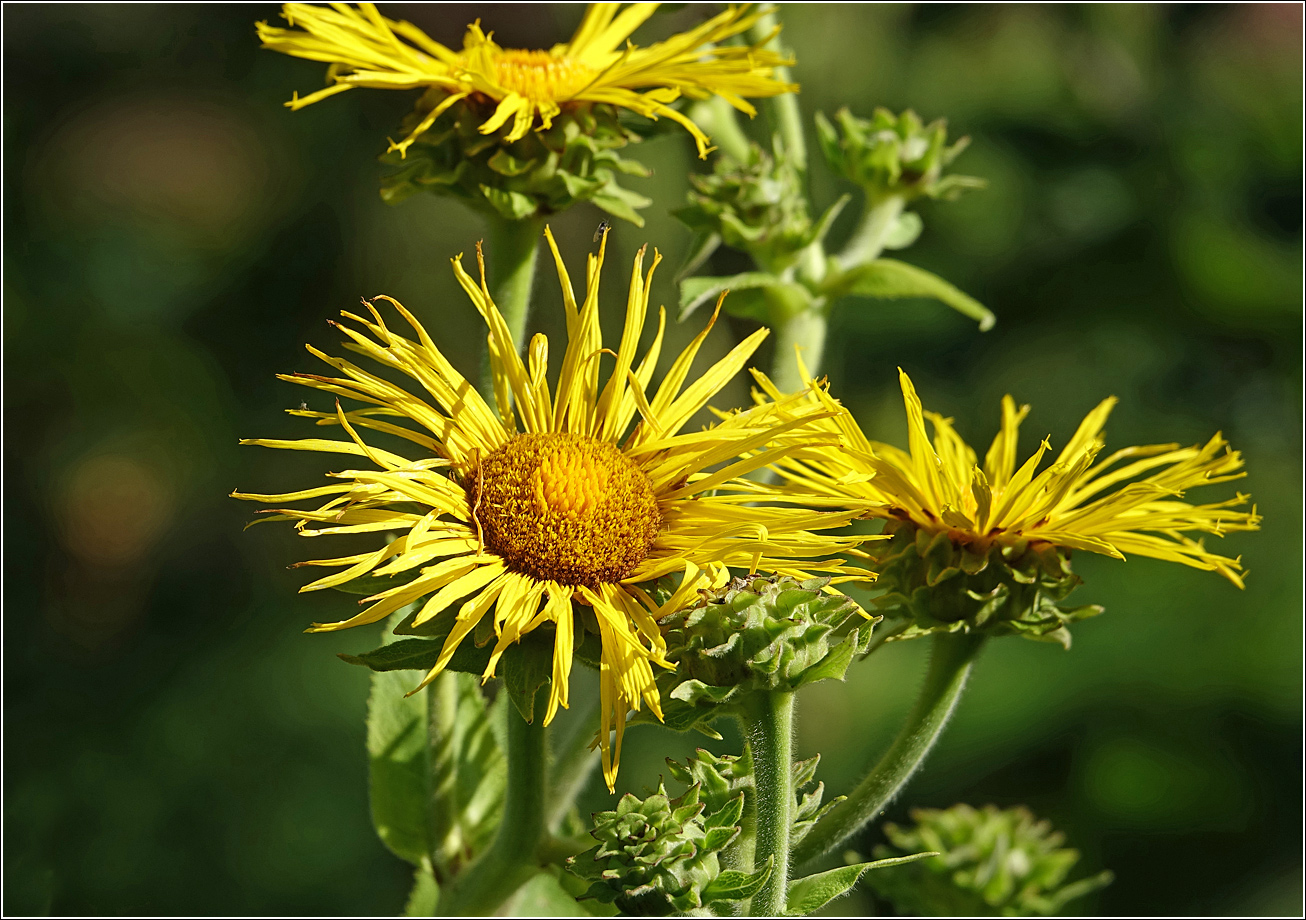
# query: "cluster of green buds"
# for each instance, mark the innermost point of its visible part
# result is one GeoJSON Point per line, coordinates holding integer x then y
{"type": "Point", "coordinates": [722, 777]}
{"type": "Point", "coordinates": [991, 863]}
{"type": "Point", "coordinates": [658, 855]}
{"type": "Point", "coordinates": [544, 172]}
{"type": "Point", "coordinates": [758, 633]}
{"type": "Point", "coordinates": [890, 154]}
{"type": "Point", "coordinates": [757, 206]}
{"type": "Point", "coordinates": [934, 585]}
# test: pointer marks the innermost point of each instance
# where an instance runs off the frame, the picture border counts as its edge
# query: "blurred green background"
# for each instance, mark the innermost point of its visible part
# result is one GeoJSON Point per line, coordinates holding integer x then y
{"type": "Point", "coordinates": [173, 236]}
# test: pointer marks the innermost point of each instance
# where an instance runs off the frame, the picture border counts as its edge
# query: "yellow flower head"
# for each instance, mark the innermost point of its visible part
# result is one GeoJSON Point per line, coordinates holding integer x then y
{"type": "Point", "coordinates": [548, 500]}
{"type": "Point", "coordinates": [1128, 502]}
{"type": "Point", "coordinates": [599, 65]}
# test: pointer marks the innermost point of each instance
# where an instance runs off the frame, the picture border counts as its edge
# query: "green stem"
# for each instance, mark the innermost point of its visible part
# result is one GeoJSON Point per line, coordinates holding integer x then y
{"type": "Point", "coordinates": [806, 330]}
{"type": "Point", "coordinates": [510, 260]}
{"type": "Point", "coordinates": [867, 241]}
{"type": "Point", "coordinates": [769, 722]}
{"type": "Point", "coordinates": [717, 117]}
{"type": "Point", "coordinates": [783, 111]}
{"type": "Point", "coordinates": [512, 857]}
{"type": "Point", "coordinates": [574, 763]}
{"type": "Point", "coordinates": [953, 654]}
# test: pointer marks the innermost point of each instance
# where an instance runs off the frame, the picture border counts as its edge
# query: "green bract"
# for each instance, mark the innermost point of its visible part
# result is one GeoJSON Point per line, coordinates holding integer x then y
{"type": "Point", "coordinates": [541, 174]}
{"type": "Point", "coordinates": [889, 154]}
{"type": "Point", "coordinates": [759, 633]}
{"type": "Point", "coordinates": [992, 863]}
{"type": "Point", "coordinates": [658, 856]}
{"type": "Point", "coordinates": [722, 777]}
{"type": "Point", "coordinates": [757, 206]}
{"type": "Point", "coordinates": [934, 585]}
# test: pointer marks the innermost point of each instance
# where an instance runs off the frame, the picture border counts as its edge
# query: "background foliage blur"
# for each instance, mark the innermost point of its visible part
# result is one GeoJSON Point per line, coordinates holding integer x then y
{"type": "Point", "coordinates": [173, 236]}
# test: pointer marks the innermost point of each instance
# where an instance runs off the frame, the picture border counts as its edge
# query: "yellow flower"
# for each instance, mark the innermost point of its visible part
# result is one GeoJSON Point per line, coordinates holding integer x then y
{"type": "Point", "coordinates": [599, 65]}
{"type": "Point", "coordinates": [579, 496]}
{"type": "Point", "coordinates": [1129, 502]}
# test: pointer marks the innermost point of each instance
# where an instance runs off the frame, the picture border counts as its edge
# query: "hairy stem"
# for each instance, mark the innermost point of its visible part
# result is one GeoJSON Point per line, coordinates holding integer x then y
{"type": "Point", "coordinates": [718, 118]}
{"type": "Point", "coordinates": [510, 260]}
{"type": "Point", "coordinates": [950, 664]}
{"type": "Point", "coordinates": [769, 722]}
{"type": "Point", "coordinates": [512, 857]}
{"type": "Point", "coordinates": [807, 331]}
{"type": "Point", "coordinates": [574, 762]}
{"type": "Point", "coordinates": [867, 241]}
{"type": "Point", "coordinates": [782, 111]}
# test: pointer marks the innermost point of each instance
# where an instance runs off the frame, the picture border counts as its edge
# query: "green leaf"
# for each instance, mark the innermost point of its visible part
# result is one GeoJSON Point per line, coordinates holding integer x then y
{"type": "Point", "coordinates": [733, 885]}
{"type": "Point", "coordinates": [717, 837]}
{"type": "Point", "coordinates": [425, 895]}
{"type": "Point", "coordinates": [468, 769]}
{"type": "Point", "coordinates": [512, 205]}
{"type": "Point", "coordinates": [905, 231]}
{"type": "Point", "coordinates": [834, 665]}
{"type": "Point", "coordinates": [807, 895]}
{"type": "Point", "coordinates": [404, 655]}
{"type": "Point", "coordinates": [620, 202]}
{"type": "Point", "coordinates": [399, 766]}
{"type": "Point", "coordinates": [527, 666]}
{"type": "Point", "coordinates": [505, 164]}
{"type": "Point", "coordinates": [694, 292]}
{"type": "Point", "coordinates": [543, 896]}
{"type": "Point", "coordinates": [371, 584]}
{"type": "Point", "coordinates": [437, 772]}
{"type": "Point", "coordinates": [889, 278]}
{"type": "Point", "coordinates": [422, 653]}
{"type": "Point", "coordinates": [578, 188]}
{"type": "Point", "coordinates": [705, 243]}
{"type": "Point", "coordinates": [827, 219]}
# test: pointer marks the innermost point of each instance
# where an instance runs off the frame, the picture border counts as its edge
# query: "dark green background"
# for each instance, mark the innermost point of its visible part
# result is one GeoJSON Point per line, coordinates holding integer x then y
{"type": "Point", "coordinates": [173, 235]}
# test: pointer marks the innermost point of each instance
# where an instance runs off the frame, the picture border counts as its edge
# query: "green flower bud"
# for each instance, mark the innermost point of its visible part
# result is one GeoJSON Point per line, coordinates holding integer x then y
{"type": "Point", "coordinates": [935, 585]}
{"type": "Point", "coordinates": [540, 174]}
{"type": "Point", "coordinates": [721, 778]}
{"type": "Point", "coordinates": [889, 154]}
{"type": "Point", "coordinates": [659, 856]}
{"type": "Point", "coordinates": [757, 206]}
{"type": "Point", "coordinates": [766, 633]}
{"type": "Point", "coordinates": [992, 863]}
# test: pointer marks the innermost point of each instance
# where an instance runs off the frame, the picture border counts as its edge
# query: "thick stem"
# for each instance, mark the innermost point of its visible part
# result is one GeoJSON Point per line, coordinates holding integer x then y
{"type": "Point", "coordinates": [867, 241]}
{"type": "Point", "coordinates": [513, 854]}
{"type": "Point", "coordinates": [769, 720]}
{"type": "Point", "coordinates": [782, 111]}
{"type": "Point", "coordinates": [574, 762]}
{"type": "Point", "coordinates": [807, 331]}
{"type": "Point", "coordinates": [950, 664]}
{"type": "Point", "coordinates": [514, 246]}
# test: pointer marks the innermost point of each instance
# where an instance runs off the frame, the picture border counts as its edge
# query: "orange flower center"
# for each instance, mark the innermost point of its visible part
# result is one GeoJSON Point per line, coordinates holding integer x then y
{"type": "Point", "coordinates": [565, 508]}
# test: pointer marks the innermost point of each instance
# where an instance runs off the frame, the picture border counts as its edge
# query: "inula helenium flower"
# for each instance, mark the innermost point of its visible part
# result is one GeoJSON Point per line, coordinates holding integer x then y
{"type": "Point", "coordinates": [580, 495]}
{"type": "Point", "coordinates": [1128, 502]}
{"type": "Point", "coordinates": [529, 87]}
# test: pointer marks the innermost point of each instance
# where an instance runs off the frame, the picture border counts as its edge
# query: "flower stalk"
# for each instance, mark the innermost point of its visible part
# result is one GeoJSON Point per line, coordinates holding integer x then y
{"type": "Point", "coordinates": [515, 245]}
{"type": "Point", "coordinates": [769, 727]}
{"type": "Point", "coordinates": [513, 855]}
{"type": "Point", "coordinates": [951, 659]}
{"type": "Point", "coordinates": [782, 110]}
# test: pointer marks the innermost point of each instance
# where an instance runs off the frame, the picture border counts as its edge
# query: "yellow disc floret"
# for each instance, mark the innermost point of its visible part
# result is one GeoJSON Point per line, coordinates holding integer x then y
{"type": "Point", "coordinates": [565, 508]}
{"type": "Point", "coordinates": [540, 76]}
